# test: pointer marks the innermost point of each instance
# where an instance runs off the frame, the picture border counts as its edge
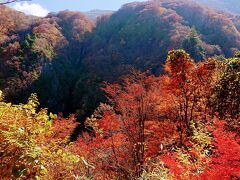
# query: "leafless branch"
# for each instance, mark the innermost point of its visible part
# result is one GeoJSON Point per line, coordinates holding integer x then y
{"type": "Point", "coordinates": [11, 1]}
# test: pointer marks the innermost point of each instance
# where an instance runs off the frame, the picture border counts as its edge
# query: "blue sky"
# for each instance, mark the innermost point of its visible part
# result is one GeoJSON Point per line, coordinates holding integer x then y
{"type": "Point", "coordinates": [41, 7]}
{"type": "Point", "coordinates": [81, 5]}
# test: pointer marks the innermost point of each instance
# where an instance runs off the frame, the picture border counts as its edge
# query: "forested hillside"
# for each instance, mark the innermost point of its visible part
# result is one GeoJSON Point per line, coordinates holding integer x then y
{"type": "Point", "coordinates": [149, 91]}
{"type": "Point", "coordinates": [32, 49]}
{"type": "Point", "coordinates": [140, 34]}
{"type": "Point", "coordinates": [70, 55]}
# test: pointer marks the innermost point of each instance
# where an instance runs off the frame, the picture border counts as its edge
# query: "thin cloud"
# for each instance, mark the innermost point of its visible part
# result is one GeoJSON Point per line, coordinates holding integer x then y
{"type": "Point", "coordinates": [31, 9]}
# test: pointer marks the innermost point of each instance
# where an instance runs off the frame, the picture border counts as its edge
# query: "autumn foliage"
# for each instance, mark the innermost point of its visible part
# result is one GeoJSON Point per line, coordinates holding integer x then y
{"type": "Point", "coordinates": [33, 146]}
{"type": "Point", "coordinates": [151, 91]}
{"type": "Point", "coordinates": [150, 127]}
{"type": "Point", "coordinates": [162, 126]}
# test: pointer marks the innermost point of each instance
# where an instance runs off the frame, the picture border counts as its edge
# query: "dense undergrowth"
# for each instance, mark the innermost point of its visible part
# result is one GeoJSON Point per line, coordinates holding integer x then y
{"type": "Point", "coordinates": [182, 124]}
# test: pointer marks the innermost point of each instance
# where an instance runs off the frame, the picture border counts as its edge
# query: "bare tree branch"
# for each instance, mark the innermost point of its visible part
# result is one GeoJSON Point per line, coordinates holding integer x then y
{"type": "Point", "coordinates": [11, 1]}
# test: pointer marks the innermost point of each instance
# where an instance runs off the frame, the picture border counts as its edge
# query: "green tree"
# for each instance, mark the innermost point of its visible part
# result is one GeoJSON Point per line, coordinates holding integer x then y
{"type": "Point", "coordinates": [225, 99]}
{"type": "Point", "coordinates": [192, 45]}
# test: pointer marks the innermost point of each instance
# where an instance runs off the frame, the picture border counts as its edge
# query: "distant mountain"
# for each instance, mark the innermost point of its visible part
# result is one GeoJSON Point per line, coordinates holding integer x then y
{"type": "Point", "coordinates": [231, 6]}
{"type": "Point", "coordinates": [140, 34]}
{"type": "Point", "coordinates": [96, 13]}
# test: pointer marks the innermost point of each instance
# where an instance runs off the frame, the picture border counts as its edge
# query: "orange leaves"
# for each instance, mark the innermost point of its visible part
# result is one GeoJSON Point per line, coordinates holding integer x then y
{"type": "Point", "coordinates": [178, 68]}
{"type": "Point", "coordinates": [189, 85]}
{"type": "Point", "coordinates": [220, 160]}
{"type": "Point", "coordinates": [148, 115]}
{"type": "Point", "coordinates": [123, 131]}
{"type": "Point", "coordinates": [158, 135]}
{"type": "Point", "coordinates": [63, 128]}
{"type": "Point", "coordinates": [225, 161]}
{"type": "Point", "coordinates": [110, 122]}
{"type": "Point", "coordinates": [178, 61]}
{"type": "Point", "coordinates": [171, 163]}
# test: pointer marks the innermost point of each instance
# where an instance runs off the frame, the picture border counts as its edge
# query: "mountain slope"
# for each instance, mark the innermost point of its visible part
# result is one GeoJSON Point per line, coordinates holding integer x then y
{"type": "Point", "coordinates": [64, 57]}
{"type": "Point", "coordinates": [140, 34]}
{"type": "Point", "coordinates": [36, 52]}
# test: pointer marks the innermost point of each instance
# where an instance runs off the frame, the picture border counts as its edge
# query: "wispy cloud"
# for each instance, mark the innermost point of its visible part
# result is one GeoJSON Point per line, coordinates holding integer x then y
{"type": "Point", "coordinates": [31, 9]}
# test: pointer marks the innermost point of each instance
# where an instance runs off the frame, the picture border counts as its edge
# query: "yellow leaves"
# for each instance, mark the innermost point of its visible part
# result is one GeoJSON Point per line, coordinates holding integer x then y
{"type": "Point", "coordinates": [194, 159]}
{"type": "Point", "coordinates": [53, 116]}
{"type": "Point", "coordinates": [159, 171]}
{"type": "Point", "coordinates": [162, 10]}
{"type": "Point", "coordinates": [59, 152]}
{"type": "Point", "coordinates": [201, 134]}
{"type": "Point", "coordinates": [27, 137]}
{"type": "Point", "coordinates": [25, 132]}
{"type": "Point", "coordinates": [68, 156]}
{"type": "Point", "coordinates": [42, 116]}
{"type": "Point", "coordinates": [183, 157]}
{"type": "Point", "coordinates": [1, 95]}
{"type": "Point", "coordinates": [43, 170]}
{"type": "Point", "coordinates": [33, 100]}
{"type": "Point", "coordinates": [75, 159]}
{"type": "Point", "coordinates": [31, 106]}
{"type": "Point", "coordinates": [92, 122]}
{"type": "Point", "coordinates": [8, 104]}
{"type": "Point", "coordinates": [37, 178]}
